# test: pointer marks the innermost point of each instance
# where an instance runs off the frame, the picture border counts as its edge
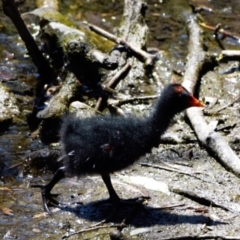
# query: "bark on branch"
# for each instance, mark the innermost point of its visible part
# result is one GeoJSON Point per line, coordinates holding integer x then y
{"type": "Point", "coordinates": [211, 140]}
{"type": "Point", "coordinates": [10, 9]}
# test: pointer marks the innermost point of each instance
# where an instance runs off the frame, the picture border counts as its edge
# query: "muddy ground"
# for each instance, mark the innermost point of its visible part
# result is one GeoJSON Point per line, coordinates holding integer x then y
{"type": "Point", "coordinates": [192, 196]}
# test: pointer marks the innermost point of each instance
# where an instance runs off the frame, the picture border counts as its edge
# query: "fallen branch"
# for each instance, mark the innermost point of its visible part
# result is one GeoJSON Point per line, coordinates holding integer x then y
{"type": "Point", "coordinates": [211, 140]}
{"type": "Point", "coordinates": [132, 36]}
{"type": "Point", "coordinates": [148, 58]}
{"type": "Point", "coordinates": [10, 9]}
{"type": "Point", "coordinates": [229, 54]}
{"type": "Point", "coordinates": [205, 200]}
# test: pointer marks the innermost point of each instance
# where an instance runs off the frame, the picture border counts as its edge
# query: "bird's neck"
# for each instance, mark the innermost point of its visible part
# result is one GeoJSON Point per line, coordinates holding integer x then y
{"type": "Point", "coordinates": [161, 118]}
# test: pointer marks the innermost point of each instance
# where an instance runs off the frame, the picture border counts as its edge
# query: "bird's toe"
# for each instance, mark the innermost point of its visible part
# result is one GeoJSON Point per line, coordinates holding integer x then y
{"type": "Point", "coordinates": [47, 197]}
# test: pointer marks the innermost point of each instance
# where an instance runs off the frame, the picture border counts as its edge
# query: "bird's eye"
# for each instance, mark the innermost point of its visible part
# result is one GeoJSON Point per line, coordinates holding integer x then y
{"type": "Point", "coordinates": [184, 94]}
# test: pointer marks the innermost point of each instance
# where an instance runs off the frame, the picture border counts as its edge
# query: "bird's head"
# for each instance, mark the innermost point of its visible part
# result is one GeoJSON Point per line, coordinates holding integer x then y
{"type": "Point", "coordinates": [179, 98]}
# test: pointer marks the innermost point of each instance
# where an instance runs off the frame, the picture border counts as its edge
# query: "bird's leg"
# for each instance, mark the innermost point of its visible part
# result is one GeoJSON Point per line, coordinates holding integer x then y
{"type": "Point", "coordinates": [46, 189]}
{"type": "Point", "coordinates": [114, 198]}
{"type": "Point", "coordinates": [113, 195]}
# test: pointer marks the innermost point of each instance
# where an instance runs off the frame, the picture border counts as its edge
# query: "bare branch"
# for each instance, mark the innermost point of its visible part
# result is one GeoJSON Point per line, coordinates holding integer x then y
{"type": "Point", "coordinates": [211, 140]}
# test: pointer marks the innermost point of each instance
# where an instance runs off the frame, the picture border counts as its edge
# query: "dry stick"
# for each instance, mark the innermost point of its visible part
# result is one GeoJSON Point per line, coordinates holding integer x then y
{"type": "Point", "coordinates": [202, 199]}
{"type": "Point", "coordinates": [10, 9]}
{"type": "Point", "coordinates": [15, 165]}
{"type": "Point", "coordinates": [229, 54]}
{"type": "Point", "coordinates": [224, 107]}
{"type": "Point", "coordinates": [220, 30]}
{"type": "Point", "coordinates": [211, 140]}
{"type": "Point", "coordinates": [113, 83]}
{"type": "Point", "coordinates": [89, 229]}
{"type": "Point", "coordinates": [133, 99]}
{"type": "Point", "coordinates": [191, 174]}
{"type": "Point", "coordinates": [148, 58]}
{"type": "Point", "coordinates": [116, 79]}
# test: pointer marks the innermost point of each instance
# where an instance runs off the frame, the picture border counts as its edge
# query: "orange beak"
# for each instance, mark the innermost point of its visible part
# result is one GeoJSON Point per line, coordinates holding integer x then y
{"type": "Point", "coordinates": [195, 102]}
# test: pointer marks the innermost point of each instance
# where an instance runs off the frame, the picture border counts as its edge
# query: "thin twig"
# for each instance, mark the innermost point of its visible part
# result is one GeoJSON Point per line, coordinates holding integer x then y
{"type": "Point", "coordinates": [131, 100]}
{"type": "Point", "coordinates": [67, 235]}
{"type": "Point", "coordinates": [228, 105]}
{"type": "Point", "coordinates": [191, 174]}
{"type": "Point", "coordinates": [220, 30]}
{"type": "Point", "coordinates": [202, 199]}
{"type": "Point", "coordinates": [118, 76]}
{"type": "Point", "coordinates": [113, 83]}
{"type": "Point", "coordinates": [148, 58]}
{"type": "Point", "coordinates": [170, 206]}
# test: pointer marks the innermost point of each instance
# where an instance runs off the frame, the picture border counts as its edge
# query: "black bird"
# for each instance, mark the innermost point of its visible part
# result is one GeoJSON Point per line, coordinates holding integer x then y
{"type": "Point", "coordinates": [105, 144]}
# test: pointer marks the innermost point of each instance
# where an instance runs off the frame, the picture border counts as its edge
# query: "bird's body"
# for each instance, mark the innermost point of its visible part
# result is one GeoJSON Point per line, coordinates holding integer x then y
{"type": "Point", "coordinates": [104, 144]}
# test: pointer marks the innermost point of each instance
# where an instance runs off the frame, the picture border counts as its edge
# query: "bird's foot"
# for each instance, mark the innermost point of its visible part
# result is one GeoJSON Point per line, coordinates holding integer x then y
{"type": "Point", "coordinates": [47, 197]}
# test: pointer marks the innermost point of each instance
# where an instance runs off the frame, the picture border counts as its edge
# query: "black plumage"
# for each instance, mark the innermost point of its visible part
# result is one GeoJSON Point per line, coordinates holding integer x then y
{"type": "Point", "coordinates": [104, 144]}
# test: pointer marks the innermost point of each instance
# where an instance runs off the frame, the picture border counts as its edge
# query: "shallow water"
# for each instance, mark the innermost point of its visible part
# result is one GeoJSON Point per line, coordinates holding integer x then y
{"type": "Point", "coordinates": [22, 213]}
